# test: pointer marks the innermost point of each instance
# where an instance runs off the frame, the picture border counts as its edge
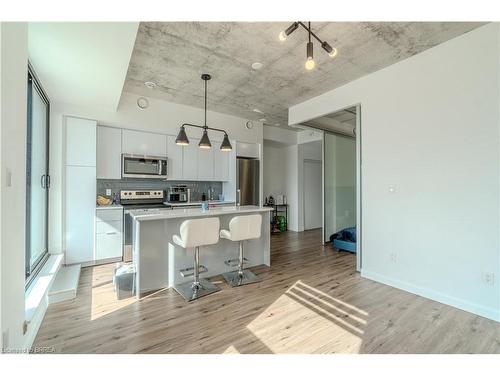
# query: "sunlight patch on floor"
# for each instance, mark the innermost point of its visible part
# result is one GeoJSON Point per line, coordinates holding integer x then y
{"type": "Point", "coordinates": [104, 300]}
{"type": "Point", "coordinates": [306, 320]}
{"type": "Point", "coordinates": [231, 350]}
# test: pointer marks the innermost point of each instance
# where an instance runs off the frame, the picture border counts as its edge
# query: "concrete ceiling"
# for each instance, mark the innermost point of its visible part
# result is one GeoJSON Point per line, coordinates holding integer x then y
{"type": "Point", "coordinates": [173, 55]}
{"type": "Point", "coordinates": [83, 63]}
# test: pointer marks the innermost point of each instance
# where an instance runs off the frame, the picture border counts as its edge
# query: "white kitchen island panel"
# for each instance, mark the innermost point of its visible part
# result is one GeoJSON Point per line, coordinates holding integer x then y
{"type": "Point", "coordinates": [158, 260]}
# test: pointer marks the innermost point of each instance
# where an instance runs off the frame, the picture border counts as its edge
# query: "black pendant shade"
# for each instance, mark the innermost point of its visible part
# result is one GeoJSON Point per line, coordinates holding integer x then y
{"type": "Point", "coordinates": [204, 141]}
{"type": "Point", "coordinates": [226, 145]}
{"type": "Point", "coordinates": [182, 138]}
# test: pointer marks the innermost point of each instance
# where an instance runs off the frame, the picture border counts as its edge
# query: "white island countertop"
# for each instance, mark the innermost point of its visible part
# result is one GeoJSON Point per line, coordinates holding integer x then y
{"type": "Point", "coordinates": [165, 213]}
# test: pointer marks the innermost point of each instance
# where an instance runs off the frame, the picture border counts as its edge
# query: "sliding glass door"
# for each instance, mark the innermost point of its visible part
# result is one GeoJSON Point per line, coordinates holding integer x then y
{"type": "Point", "coordinates": [340, 183]}
{"type": "Point", "coordinates": [37, 178]}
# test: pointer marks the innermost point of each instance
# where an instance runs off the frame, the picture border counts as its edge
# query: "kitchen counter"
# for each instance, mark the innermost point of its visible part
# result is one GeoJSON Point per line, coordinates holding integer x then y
{"type": "Point", "coordinates": [162, 213]}
{"type": "Point", "coordinates": [109, 207]}
{"type": "Point", "coordinates": [198, 203]}
{"type": "Point", "coordinates": [158, 259]}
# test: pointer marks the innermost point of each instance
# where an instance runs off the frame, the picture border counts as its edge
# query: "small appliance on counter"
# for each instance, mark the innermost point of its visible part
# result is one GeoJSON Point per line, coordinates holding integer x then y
{"type": "Point", "coordinates": [178, 194]}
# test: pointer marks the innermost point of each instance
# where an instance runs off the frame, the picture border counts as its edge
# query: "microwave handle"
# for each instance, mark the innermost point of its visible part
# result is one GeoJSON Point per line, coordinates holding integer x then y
{"type": "Point", "coordinates": [162, 168]}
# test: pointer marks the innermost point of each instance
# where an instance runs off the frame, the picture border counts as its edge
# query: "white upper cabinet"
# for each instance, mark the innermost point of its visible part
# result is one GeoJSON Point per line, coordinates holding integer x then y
{"type": "Point", "coordinates": [109, 150]}
{"type": "Point", "coordinates": [206, 163]}
{"type": "Point", "coordinates": [247, 150]}
{"type": "Point", "coordinates": [144, 143]}
{"type": "Point", "coordinates": [190, 160]}
{"type": "Point", "coordinates": [221, 163]}
{"type": "Point", "coordinates": [174, 163]}
{"type": "Point", "coordinates": [80, 142]}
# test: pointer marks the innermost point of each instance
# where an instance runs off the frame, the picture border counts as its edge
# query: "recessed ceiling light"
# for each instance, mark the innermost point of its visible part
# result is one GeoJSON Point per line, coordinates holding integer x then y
{"type": "Point", "coordinates": [150, 85]}
{"type": "Point", "coordinates": [257, 65]}
{"type": "Point", "coordinates": [263, 119]}
{"type": "Point", "coordinates": [258, 111]}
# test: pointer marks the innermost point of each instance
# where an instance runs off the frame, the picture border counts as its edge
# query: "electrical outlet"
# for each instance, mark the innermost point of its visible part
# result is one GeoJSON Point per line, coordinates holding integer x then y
{"type": "Point", "coordinates": [488, 278]}
{"type": "Point", "coordinates": [393, 257]}
{"type": "Point", "coordinates": [108, 192]}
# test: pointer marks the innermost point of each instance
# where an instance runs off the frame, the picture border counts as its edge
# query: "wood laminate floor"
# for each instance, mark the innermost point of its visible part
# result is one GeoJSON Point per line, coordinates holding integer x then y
{"type": "Point", "coordinates": [310, 301]}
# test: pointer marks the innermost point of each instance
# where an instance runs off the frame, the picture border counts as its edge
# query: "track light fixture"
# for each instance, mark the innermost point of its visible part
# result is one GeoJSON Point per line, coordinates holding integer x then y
{"type": "Point", "coordinates": [310, 64]}
{"type": "Point", "coordinates": [182, 139]}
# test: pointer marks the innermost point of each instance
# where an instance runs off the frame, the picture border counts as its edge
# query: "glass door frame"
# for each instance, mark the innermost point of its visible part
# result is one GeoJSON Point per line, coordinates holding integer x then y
{"type": "Point", "coordinates": [31, 270]}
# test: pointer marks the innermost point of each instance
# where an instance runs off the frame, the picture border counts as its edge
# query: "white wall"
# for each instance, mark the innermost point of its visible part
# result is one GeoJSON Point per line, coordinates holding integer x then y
{"type": "Point", "coordinates": [14, 65]}
{"type": "Point", "coordinates": [430, 129]}
{"type": "Point", "coordinates": [274, 175]}
{"type": "Point", "coordinates": [161, 117]}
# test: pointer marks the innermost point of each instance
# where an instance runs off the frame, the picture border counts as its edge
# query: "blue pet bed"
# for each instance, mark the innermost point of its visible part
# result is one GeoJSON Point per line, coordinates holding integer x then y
{"type": "Point", "coordinates": [345, 240]}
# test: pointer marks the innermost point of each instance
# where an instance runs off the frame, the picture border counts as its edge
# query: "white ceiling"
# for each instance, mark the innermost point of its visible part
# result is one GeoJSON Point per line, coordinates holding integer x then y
{"type": "Point", "coordinates": [174, 54]}
{"type": "Point", "coordinates": [83, 63]}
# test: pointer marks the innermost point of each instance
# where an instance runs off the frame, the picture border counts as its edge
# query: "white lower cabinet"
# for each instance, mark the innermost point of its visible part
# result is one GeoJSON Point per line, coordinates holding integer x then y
{"type": "Point", "coordinates": [109, 233]}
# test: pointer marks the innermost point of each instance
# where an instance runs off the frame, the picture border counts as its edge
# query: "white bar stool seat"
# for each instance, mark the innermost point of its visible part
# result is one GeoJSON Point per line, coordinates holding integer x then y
{"type": "Point", "coordinates": [241, 228]}
{"type": "Point", "coordinates": [196, 233]}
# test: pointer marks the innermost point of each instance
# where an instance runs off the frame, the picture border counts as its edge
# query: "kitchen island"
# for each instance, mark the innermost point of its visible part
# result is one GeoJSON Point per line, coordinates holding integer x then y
{"type": "Point", "coordinates": [158, 260]}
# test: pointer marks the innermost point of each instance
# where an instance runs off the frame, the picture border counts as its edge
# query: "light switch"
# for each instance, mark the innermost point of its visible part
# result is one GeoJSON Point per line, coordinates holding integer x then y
{"type": "Point", "coordinates": [8, 178]}
{"type": "Point", "coordinates": [108, 192]}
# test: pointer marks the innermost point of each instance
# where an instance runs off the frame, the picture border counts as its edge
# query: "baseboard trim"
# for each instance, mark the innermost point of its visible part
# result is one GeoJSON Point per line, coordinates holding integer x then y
{"type": "Point", "coordinates": [458, 303]}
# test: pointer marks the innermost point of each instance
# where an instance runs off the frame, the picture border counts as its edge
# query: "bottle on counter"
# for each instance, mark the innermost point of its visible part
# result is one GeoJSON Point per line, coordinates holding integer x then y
{"type": "Point", "coordinates": [203, 197]}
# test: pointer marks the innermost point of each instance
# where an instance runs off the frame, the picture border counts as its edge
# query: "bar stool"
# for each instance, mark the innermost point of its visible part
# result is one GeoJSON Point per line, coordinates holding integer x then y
{"type": "Point", "coordinates": [196, 233]}
{"type": "Point", "coordinates": [241, 228]}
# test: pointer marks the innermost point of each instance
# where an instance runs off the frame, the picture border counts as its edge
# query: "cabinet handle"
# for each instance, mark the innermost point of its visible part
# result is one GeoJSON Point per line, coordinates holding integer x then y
{"type": "Point", "coordinates": [110, 232]}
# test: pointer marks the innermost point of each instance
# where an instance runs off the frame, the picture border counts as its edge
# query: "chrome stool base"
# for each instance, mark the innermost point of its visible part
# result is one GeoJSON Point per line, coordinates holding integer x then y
{"type": "Point", "coordinates": [190, 293]}
{"type": "Point", "coordinates": [236, 279]}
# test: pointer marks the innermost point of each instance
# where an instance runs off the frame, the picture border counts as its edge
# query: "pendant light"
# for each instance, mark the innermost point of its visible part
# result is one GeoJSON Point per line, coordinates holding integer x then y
{"type": "Point", "coordinates": [310, 59]}
{"type": "Point", "coordinates": [310, 63]}
{"type": "Point", "coordinates": [182, 139]}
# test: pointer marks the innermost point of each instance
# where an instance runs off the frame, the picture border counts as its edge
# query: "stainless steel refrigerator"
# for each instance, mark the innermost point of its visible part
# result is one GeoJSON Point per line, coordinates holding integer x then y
{"type": "Point", "coordinates": [247, 182]}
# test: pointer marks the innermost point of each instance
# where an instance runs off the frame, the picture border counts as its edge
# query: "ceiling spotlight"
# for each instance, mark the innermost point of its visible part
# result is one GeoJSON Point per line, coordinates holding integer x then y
{"type": "Point", "coordinates": [150, 85]}
{"type": "Point", "coordinates": [282, 36]}
{"type": "Point", "coordinates": [257, 65]}
{"type": "Point", "coordinates": [263, 119]}
{"type": "Point", "coordinates": [258, 111]}
{"type": "Point", "coordinates": [310, 64]}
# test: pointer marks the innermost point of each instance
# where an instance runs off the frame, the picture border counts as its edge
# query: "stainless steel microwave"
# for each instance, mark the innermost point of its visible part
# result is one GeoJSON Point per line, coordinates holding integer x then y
{"type": "Point", "coordinates": [134, 166]}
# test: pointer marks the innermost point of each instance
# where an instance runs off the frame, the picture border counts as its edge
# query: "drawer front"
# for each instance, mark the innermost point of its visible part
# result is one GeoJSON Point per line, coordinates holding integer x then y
{"type": "Point", "coordinates": [108, 227]}
{"type": "Point", "coordinates": [109, 214]}
{"type": "Point", "coordinates": [108, 245]}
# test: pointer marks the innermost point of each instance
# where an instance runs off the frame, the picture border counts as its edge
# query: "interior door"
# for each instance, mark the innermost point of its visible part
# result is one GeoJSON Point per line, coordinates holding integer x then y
{"type": "Point", "coordinates": [312, 194]}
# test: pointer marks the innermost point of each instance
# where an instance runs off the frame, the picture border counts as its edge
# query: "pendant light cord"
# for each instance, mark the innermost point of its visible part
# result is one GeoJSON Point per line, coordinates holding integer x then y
{"type": "Point", "coordinates": [309, 24]}
{"type": "Point", "coordinates": [205, 104]}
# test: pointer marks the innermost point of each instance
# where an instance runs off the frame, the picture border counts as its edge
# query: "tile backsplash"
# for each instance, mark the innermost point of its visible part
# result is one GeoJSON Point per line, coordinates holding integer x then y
{"type": "Point", "coordinates": [197, 187]}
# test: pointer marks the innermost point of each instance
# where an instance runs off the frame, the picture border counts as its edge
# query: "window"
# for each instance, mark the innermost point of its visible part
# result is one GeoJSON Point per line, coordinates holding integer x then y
{"type": "Point", "coordinates": [37, 177]}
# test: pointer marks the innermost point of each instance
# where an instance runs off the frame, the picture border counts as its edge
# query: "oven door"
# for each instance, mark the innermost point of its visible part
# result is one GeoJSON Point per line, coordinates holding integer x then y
{"type": "Point", "coordinates": [134, 166]}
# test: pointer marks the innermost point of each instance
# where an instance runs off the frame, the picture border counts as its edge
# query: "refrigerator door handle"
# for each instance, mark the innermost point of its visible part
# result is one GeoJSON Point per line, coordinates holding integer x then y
{"type": "Point", "coordinates": [238, 198]}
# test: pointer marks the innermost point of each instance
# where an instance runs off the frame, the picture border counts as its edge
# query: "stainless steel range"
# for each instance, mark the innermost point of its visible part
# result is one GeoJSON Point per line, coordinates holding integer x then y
{"type": "Point", "coordinates": [146, 200]}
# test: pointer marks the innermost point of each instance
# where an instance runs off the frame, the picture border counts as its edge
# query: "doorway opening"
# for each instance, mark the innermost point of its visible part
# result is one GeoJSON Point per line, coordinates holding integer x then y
{"type": "Point", "coordinates": [341, 182]}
